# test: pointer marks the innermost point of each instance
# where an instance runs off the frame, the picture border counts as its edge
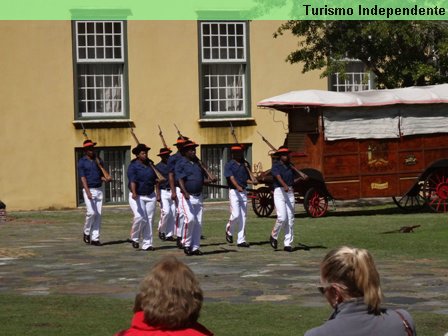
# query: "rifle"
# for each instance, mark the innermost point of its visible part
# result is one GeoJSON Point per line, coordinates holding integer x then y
{"type": "Point", "coordinates": [161, 137]}
{"type": "Point", "coordinates": [246, 164]}
{"type": "Point", "coordinates": [84, 132]}
{"type": "Point", "coordinates": [97, 160]}
{"type": "Point", "coordinates": [298, 172]}
{"type": "Point", "coordinates": [160, 177]}
{"type": "Point", "coordinates": [210, 176]}
{"type": "Point", "coordinates": [179, 133]}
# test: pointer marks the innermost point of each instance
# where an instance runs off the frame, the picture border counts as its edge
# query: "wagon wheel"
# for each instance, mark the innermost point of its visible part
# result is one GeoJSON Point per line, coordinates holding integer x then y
{"type": "Point", "coordinates": [315, 203]}
{"type": "Point", "coordinates": [436, 190]}
{"type": "Point", "coordinates": [412, 201]}
{"type": "Point", "coordinates": [263, 203]}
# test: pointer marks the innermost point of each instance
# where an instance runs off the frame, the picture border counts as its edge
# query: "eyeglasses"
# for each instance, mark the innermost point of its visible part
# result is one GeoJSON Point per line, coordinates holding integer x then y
{"type": "Point", "coordinates": [323, 287]}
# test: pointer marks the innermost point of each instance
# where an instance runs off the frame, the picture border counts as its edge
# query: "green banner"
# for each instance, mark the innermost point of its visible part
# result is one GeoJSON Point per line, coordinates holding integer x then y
{"type": "Point", "coordinates": [223, 10]}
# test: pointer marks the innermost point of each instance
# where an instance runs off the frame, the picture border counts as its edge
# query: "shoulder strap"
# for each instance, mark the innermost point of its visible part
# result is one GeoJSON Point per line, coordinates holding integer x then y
{"type": "Point", "coordinates": [407, 327]}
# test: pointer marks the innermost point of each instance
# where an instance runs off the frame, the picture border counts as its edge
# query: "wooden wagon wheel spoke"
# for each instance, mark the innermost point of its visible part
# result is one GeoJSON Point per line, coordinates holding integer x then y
{"type": "Point", "coordinates": [263, 203]}
{"type": "Point", "coordinates": [436, 190]}
{"type": "Point", "coordinates": [315, 203]}
{"type": "Point", "coordinates": [414, 200]}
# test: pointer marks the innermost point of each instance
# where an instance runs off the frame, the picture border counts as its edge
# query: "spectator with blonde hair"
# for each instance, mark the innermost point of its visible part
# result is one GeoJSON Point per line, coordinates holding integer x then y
{"type": "Point", "coordinates": [168, 303]}
{"type": "Point", "coordinates": [351, 284]}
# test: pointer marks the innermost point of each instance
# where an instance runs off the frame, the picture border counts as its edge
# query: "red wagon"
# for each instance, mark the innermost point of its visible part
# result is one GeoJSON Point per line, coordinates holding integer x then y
{"type": "Point", "coordinates": [381, 143]}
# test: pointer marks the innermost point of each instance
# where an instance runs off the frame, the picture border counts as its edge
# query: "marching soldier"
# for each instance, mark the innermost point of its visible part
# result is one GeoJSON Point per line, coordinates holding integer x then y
{"type": "Point", "coordinates": [237, 177]}
{"type": "Point", "coordinates": [142, 198]}
{"type": "Point", "coordinates": [92, 174]}
{"type": "Point", "coordinates": [284, 178]}
{"type": "Point", "coordinates": [175, 190]}
{"type": "Point", "coordinates": [167, 204]}
{"type": "Point", "coordinates": [191, 178]}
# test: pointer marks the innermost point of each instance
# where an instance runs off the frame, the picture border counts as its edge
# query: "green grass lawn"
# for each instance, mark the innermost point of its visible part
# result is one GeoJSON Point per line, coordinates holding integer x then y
{"type": "Point", "coordinates": [78, 316]}
{"type": "Point", "coordinates": [97, 315]}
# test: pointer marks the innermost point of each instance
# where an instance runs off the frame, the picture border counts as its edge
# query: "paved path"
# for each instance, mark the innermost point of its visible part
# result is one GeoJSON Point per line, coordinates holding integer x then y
{"type": "Point", "coordinates": [46, 256]}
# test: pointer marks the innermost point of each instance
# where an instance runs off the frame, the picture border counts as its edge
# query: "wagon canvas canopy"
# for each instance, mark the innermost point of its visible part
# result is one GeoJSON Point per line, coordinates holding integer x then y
{"type": "Point", "coordinates": [371, 114]}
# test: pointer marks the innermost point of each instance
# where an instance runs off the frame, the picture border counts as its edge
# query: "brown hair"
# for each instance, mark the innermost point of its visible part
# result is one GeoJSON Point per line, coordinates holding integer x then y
{"type": "Point", "coordinates": [170, 295]}
{"type": "Point", "coordinates": [137, 303]}
{"type": "Point", "coordinates": [354, 269]}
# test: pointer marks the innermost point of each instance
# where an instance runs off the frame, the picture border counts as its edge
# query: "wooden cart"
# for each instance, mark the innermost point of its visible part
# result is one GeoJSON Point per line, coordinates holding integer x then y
{"type": "Point", "coordinates": [382, 143]}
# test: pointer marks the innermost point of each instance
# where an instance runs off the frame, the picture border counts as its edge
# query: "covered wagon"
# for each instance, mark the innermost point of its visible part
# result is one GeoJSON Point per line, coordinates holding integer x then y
{"type": "Point", "coordinates": [379, 143]}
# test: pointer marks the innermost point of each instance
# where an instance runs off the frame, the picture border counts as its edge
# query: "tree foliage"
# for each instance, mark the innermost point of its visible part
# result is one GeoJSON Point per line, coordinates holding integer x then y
{"type": "Point", "coordinates": [399, 53]}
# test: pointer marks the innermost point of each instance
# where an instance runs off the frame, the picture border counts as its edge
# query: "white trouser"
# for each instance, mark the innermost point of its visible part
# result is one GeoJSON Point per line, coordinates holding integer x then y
{"type": "Point", "coordinates": [167, 213]}
{"type": "Point", "coordinates": [94, 206]}
{"type": "Point", "coordinates": [238, 214]}
{"type": "Point", "coordinates": [284, 205]}
{"type": "Point", "coordinates": [136, 221]}
{"type": "Point", "coordinates": [143, 208]}
{"type": "Point", "coordinates": [180, 215]}
{"type": "Point", "coordinates": [193, 221]}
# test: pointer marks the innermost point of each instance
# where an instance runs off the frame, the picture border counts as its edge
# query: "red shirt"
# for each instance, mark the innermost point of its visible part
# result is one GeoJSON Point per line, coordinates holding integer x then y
{"type": "Point", "coordinates": [140, 328]}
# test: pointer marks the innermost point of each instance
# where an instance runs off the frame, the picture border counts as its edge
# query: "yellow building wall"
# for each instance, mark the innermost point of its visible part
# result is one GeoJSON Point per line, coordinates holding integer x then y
{"type": "Point", "coordinates": [163, 80]}
{"type": "Point", "coordinates": [38, 138]}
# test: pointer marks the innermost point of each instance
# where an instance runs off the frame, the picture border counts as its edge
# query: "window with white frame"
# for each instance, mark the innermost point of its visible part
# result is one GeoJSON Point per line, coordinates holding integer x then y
{"type": "Point", "coordinates": [116, 160]}
{"type": "Point", "coordinates": [100, 68]}
{"type": "Point", "coordinates": [356, 78]}
{"type": "Point", "coordinates": [224, 68]}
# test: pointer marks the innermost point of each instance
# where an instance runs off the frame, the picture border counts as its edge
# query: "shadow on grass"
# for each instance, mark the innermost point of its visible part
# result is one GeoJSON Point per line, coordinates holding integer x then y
{"type": "Point", "coordinates": [266, 242]}
{"type": "Point", "coordinates": [302, 247]}
{"type": "Point", "coordinates": [166, 247]}
{"type": "Point", "coordinates": [115, 242]}
{"type": "Point", "coordinates": [218, 251]}
{"type": "Point", "coordinates": [214, 244]}
{"type": "Point", "coordinates": [305, 247]}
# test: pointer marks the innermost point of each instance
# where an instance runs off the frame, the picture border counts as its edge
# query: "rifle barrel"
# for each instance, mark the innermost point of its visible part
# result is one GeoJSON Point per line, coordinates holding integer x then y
{"type": "Point", "coordinates": [266, 141]}
{"type": "Point", "coordinates": [161, 137]}
{"type": "Point", "coordinates": [134, 136]}
{"type": "Point", "coordinates": [84, 131]}
{"type": "Point", "coordinates": [210, 176]}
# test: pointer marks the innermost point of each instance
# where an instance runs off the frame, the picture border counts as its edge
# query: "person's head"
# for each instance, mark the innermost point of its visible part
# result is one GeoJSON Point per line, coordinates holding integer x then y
{"type": "Point", "coordinates": [349, 272]}
{"type": "Point", "coordinates": [164, 153]}
{"type": "Point", "coordinates": [237, 152]}
{"type": "Point", "coordinates": [189, 150]}
{"type": "Point", "coordinates": [89, 146]}
{"type": "Point", "coordinates": [141, 152]}
{"type": "Point", "coordinates": [170, 295]}
{"type": "Point", "coordinates": [283, 154]}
